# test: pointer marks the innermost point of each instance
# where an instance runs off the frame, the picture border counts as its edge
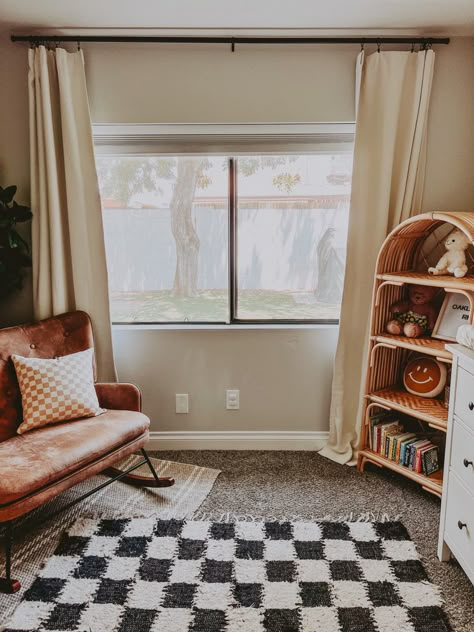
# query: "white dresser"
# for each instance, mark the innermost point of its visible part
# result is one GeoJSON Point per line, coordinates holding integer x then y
{"type": "Point", "coordinates": [456, 530]}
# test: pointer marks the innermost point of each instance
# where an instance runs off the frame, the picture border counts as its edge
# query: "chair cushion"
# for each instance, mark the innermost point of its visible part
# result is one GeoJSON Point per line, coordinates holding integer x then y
{"type": "Point", "coordinates": [33, 460]}
{"type": "Point", "coordinates": [57, 389]}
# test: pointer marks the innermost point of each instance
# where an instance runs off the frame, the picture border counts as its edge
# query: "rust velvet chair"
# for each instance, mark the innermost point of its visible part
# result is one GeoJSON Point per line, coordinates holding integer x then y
{"type": "Point", "coordinates": [40, 464]}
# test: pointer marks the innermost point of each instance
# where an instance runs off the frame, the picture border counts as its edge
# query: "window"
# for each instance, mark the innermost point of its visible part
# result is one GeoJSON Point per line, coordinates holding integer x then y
{"type": "Point", "coordinates": [250, 228]}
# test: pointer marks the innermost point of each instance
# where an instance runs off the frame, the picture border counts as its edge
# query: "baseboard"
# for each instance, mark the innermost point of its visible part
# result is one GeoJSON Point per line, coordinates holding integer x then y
{"type": "Point", "coordinates": [238, 440]}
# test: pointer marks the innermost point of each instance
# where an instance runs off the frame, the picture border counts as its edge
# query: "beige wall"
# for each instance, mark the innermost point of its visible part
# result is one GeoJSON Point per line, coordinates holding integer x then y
{"type": "Point", "coordinates": [284, 375]}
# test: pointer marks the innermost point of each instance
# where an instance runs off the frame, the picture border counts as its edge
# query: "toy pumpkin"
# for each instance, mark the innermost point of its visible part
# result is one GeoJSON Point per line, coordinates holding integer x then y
{"type": "Point", "coordinates": [424, 376]}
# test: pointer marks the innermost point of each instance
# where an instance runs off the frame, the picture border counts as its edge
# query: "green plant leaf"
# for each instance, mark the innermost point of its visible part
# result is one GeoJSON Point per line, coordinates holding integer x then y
{"type": "Point", "coordinates": [20, 213]}
{"type": "Point", "coordinates": [14, 250]}
{"type": "Point", "coordinates": [16, 240]}
{"type": "Point", "coordinates": [7, 195]}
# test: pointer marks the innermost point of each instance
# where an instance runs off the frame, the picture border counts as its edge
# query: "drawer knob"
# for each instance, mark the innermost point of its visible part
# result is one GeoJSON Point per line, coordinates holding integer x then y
{"type": "Point", "coordinates": [461, 525]}
{"type": "Point", "coordinates": [471, 405]}
{"type": "Point", "coordinates": [467, 463]}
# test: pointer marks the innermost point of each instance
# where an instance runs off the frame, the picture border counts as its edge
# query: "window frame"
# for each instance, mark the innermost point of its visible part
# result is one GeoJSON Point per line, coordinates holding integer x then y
{"type": "Point", "coordinates": [231, 141]}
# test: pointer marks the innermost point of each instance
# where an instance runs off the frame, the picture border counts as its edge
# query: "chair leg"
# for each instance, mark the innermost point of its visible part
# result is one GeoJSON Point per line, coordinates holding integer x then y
{"type": "Point", "coordinates": [7, 584]}
{"type": "Point", "coordinates": [137, 480]}
{"type": "Point", "coordinates": [159, 482]}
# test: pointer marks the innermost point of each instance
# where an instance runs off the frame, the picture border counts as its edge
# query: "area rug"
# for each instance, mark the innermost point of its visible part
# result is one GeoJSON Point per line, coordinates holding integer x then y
{"type": "Point", "coordinates": [153, 575]}
{"type": "Point", "coordinates": [34, 546]}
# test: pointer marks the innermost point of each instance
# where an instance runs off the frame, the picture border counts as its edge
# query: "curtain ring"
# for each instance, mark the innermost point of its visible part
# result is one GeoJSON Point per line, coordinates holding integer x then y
{"type": "Point", "coordinates": [362, 46]}
{"type": "Point", "coordinates": [378, 46]}
{"type": "Point", "coordinates": [412, 47]}
{"type": "Point", "coordinates": [78, 46]}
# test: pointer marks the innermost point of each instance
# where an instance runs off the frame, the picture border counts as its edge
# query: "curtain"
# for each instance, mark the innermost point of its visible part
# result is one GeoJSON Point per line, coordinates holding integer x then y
{"type": "Point", "coordinates": [69, 266]}
{"type": "Point", "coordinates": [387, 184]}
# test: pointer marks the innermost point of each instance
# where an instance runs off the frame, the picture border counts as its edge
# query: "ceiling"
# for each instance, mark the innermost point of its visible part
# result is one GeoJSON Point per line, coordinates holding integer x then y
{"type": "Point", "coordinates": [440, 17]}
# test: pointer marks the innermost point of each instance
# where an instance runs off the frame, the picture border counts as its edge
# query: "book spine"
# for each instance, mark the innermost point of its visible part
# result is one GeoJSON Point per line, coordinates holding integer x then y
{"type": "Point", "coordinates": [412, 458]}
{"type": "Point", "coordinates": [417, 467]}
{"type": "Point", "coordinates": [394, 448]}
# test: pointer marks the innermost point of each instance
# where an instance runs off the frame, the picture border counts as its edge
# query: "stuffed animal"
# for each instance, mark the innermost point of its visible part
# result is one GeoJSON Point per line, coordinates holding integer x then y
{"type": "Point", "coordinates": [454, 261]}
{"type": "Point", "coordinates": [416, 316]}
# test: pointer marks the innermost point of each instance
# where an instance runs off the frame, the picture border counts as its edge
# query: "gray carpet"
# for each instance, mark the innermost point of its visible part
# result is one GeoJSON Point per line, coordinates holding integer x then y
{"type": "Point", "coordinates": [304, 485]}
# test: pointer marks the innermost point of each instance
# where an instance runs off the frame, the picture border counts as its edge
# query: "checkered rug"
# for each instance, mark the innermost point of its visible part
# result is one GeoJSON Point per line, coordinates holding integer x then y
{"type": "Point", "coordinates": [152, 575]}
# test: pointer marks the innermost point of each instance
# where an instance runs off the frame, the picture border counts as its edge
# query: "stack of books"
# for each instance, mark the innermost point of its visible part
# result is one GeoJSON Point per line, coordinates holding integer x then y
{"type": "Point", "coordinates": [389, 438]}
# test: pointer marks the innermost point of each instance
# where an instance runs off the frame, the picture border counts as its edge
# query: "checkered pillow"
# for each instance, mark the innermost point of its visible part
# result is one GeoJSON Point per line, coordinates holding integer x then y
{"type": "Point", "coordinates": [56, 390]}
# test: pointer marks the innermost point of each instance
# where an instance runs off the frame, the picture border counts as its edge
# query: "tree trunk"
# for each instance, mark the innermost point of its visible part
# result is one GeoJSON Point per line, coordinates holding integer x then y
{"type": "Point", "coordinates": [184, 233]}
{"type": "Point", "coordinates": [331, 270]}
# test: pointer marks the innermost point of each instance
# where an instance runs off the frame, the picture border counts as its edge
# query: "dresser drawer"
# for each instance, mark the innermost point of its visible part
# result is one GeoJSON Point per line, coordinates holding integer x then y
{"type": "Point", "coordinates": [459, 512]}
{"type": "Point", "coordinates": [464, 400]}
{"type": "Point", "coordinates": [462, 455]}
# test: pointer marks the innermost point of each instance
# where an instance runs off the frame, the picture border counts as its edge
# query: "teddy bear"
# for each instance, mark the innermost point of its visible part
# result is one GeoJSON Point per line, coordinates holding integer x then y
{"type": "Point", "coordinates": [415, 316]}
{"type": "Point", "coordinates": [453, 261]}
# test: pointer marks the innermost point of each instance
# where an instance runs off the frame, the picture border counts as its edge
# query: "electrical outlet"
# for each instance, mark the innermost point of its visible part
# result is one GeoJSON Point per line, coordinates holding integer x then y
{"type": "Point", "coordinates": [232, 399]}
{"type": "Point", "coordinates": [182, 403]}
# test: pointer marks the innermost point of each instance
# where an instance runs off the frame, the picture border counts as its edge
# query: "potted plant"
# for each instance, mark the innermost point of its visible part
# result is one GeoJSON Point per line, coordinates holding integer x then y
{"type": "Point", "coordinates": [14, 250]}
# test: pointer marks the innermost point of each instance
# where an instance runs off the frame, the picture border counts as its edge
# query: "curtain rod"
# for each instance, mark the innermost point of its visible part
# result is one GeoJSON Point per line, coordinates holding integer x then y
{"type": "Point", "coordinates": [42, 39]}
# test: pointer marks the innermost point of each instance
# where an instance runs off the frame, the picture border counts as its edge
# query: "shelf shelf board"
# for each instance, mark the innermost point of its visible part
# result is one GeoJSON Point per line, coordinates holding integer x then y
{"type": "Point", "coordinates": [423, 278]}
{"type": "Point", "coordinates": [433, 483]}
{"type": "Point", "coordinates": [429, 346]}
{"type": "Point", "coordinates": [433, 411]}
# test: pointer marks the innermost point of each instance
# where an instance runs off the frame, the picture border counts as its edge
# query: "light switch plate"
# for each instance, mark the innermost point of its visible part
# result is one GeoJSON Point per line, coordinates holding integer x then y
{"type": "Point", "coordinates": [182, 403]}
{"type": "Point", "coordinates": [232, 399]}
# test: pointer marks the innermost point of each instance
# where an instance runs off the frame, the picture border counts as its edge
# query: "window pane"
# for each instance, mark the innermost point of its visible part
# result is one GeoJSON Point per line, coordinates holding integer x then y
{"type": "Point", "coordinates": [292, 219]}
{"type": "Point", "coordinates": [166, 237]}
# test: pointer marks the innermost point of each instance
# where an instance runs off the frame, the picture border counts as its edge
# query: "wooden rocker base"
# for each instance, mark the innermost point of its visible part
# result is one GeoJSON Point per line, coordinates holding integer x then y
{"type": "Point", "coordinates": [140, 481]}
{"type": "Point", "coordinates": [9, 586]}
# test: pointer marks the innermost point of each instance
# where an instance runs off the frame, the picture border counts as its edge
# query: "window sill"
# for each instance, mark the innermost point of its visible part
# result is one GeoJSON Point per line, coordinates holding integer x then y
{"type": "Point", "coordinates": [219, 326]}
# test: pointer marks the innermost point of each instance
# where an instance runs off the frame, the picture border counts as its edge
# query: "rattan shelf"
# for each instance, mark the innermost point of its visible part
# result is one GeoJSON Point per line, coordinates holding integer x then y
{"type": "Point", "coordinates": [404, 258]}
{"type": "Point", "coordinates": [429, 346]}
{"type": "Point", "coordinates": [433, 483]}
{"type": "Point", "coordinates": [421, 278]}
{"type": "Point", "coordinates": [433, 411]}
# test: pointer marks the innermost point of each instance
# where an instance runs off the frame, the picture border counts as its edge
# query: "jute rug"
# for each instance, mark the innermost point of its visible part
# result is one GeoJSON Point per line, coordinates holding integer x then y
{"type": "Point", "coordinates": [153, 575]}
{"type": "Point", "coordinates": [34, 546]}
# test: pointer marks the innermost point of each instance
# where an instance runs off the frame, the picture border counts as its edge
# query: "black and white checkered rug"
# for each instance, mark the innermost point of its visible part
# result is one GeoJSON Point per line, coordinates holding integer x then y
{"type": "Point", "coordinates": [151, 575]}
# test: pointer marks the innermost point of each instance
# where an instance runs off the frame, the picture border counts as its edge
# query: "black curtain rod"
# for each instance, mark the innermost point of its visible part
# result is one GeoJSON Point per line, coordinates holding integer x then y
{"type": "Point", "coordinates": [42, 39]}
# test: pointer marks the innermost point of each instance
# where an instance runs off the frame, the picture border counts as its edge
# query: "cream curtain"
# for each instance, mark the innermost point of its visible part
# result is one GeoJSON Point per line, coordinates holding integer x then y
{"type": "Point", "coordinates": [69, 266]}
{"type": "Point", "coordinates": [387, 186]}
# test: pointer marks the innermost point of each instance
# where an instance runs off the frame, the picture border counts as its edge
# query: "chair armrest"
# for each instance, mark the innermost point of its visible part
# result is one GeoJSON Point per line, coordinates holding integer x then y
{"type": "Point", "coordinates": [119, 396]}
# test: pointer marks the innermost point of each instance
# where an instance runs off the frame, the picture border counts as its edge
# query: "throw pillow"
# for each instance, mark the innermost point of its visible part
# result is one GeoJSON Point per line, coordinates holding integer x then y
{"type": "Point", "coordinates": [56, 390]}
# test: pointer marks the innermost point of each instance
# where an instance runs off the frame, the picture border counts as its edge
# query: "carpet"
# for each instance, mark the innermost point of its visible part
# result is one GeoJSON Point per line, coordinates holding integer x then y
{"type": "Point", "coordinates": [154, 575]}
{"type": "Point", "coordinates": [33, 546]}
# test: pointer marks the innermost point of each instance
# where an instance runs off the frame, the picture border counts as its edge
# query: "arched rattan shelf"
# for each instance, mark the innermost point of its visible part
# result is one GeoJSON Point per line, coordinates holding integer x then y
{"type": "Point", "coordinates": [402, 260]}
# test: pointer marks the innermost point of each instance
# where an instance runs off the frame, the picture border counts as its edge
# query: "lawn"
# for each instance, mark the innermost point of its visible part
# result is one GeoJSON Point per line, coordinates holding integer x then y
{"type": "Point", "coordinates": [212, 306]}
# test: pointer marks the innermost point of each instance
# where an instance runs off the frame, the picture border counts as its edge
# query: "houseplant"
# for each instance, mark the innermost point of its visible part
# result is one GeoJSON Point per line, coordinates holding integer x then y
{"type": "Point", "coordinates": [14, 250]}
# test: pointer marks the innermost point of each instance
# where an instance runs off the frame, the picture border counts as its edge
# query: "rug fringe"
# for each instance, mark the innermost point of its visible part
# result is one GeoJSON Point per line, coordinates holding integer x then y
{"type": "Point", "coordinates": [369, 516]}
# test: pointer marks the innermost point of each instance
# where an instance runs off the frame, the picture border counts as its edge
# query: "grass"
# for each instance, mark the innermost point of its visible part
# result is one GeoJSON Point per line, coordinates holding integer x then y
{"type": "Point", "coordinates": [212, 306]}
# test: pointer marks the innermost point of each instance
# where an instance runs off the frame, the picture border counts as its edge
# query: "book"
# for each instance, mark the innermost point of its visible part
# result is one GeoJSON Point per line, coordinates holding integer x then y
{"type": "Point", "coordinates": [414, 447]}
{"type": "Point", "coordinates": [419, 452]}
{"type": "Point", "coordinates": [385, 428]}
{"type": "Point", "coordinates": [403, 447]}
{"type": "Point", "coordinates": [389, 437]}
{"type": "Point", "coordinates": [430, 460]}
{"type": "Point", "coordinates": [376, 422]}
{"type": "Point", "coordinates": [394, 441]}
{"type": "Point", "coordinates": [400, 440]}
